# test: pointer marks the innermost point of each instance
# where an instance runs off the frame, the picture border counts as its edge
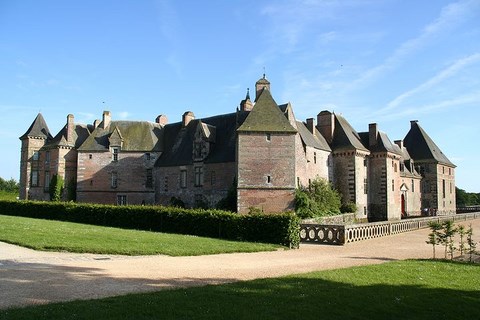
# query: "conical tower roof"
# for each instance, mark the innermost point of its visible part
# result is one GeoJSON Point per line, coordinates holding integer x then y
{"type": "Point", "coordinates": [38, 129]}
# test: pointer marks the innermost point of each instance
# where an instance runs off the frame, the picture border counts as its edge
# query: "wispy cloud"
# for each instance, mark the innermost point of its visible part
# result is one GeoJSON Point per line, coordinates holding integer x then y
{"type": "Point", "coordinates": [450, 16]}
{"type": "Point", "coordinates": [453, 69]}
{"type": "Point", "coordinates": [123, 115]}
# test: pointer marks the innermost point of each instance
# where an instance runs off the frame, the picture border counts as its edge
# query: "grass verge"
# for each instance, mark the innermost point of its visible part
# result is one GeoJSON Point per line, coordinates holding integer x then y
{"type": "Point", "coordinates": [395, 290]}
{"type": "Point", "coordinates": [51, 235]}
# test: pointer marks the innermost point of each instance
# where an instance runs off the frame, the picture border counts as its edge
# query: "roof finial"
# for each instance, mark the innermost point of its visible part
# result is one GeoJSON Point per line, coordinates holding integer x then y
{"type": "Point", "coordinates": [248, 94]}
{"type": "Point", "coordinates": [264, 72]}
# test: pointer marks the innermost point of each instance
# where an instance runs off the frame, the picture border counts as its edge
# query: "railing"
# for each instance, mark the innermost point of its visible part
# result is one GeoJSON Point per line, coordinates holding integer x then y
{"type": "Point", "coordinates": [341, 234]}
{"type": "Point", "coordinates": [468, 209]}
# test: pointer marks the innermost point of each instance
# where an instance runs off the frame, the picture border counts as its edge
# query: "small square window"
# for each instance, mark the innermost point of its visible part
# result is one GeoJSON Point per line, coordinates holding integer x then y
{"type": "Point", "coordinates": [269, 137]}
{"type": "Point", "coordinates": [269, 179]}
{"type": "Point", "coordinates": [122, 200]}
{"type": "Point", "coordinates": [90, 156]}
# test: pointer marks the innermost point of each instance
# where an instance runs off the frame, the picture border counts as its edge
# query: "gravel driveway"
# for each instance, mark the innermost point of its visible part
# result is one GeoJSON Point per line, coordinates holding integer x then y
{"type": "Point", "coordinates": [32, 277]}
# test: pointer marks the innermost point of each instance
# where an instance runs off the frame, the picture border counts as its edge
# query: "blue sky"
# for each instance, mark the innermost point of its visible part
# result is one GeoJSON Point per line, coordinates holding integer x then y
{"type": "Point", "coordinates": [387, 62]}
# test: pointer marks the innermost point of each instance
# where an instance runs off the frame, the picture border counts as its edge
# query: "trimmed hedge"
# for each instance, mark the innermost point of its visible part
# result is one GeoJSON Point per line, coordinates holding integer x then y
{"type": "Point", "coordinates": [282, 228]}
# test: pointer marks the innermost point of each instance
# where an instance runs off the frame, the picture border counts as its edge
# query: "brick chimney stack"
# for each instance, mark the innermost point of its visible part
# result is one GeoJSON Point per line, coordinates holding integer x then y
{"type": "Point", "coordinates": [311, 125]}
{"type": "Point", "coordinates": [326, 125]}
{"type": "Point", "coordinates": [107, 118]}
{"type": "Point", "coordinates": [162, 120]}
{"type": "Point", "coordinates": [372, 134]}
{"type": "Point", "coordinates": [187, 117]}
{"type": "Point", "coordinates": [70, 129]}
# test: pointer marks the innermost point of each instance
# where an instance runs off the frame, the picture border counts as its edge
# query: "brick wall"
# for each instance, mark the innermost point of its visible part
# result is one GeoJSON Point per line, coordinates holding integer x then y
{"type": "Point", "coordinates": [266, 167]}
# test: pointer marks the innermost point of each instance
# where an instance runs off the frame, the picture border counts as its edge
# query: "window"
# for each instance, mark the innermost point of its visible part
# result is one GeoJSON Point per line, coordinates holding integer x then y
{"type": "Point", "coordinates": [198, 176]}
{"type": "Point", "coordinates": [413, 185]}
{"type": "Point", "coordinates": [213, 178]}
{"type": "Point", "coordinates": [393, 185]}
{"type": "Point", "coordinates": [443, 188]}
{"type": "Point", "coordinates": [149, 182]}
{"type": "Point", "coordinates": [114, 182]}
{"type": "Point", "coordinates": [115, 151]}
{"type": "Point", "coordinates": [269, 179]}
{"type": "Point", "coordinates": [269, 137]}
{"type": "Point", "coordinates": [451, 187]}
{"type": "Point", "coordinates": [365, 162]}
{"type": "Point", "coordinates": [315, 157]}
{"type": "Point", "coordinates": [449, 171]}
{"type": "Point", "coordinates": [47, 156]}
{"type": "Point", "coordinates": [165, 184]}
{"type": "Point", "coordinates": [36, 156]}
{"type": "Point", "coordinates": [122, 200]}
{"type": "Point", "coordinates": [90, 156]}
{"type": "Point", "coordinates": [197, 150]}
{"type": "Point", "coordinates": [183, 178]}
{"type": "Point", "coordinates": [34, 179]}
{"type": "Point", "coordinates": [365, 186]}
{"type": "Point", "coordinates": [47, 180]}
{"type": "Point", "coordinates": [298, 181]}
{"type": "Point", "coordinates": [148, 156]}
{"type": "Point", "coordinates": [443, 170]}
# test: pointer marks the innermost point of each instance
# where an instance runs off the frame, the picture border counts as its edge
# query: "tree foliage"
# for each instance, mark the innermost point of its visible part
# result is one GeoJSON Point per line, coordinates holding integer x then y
{"type": "Point", "coordinates": [9, 185]}
{"type": "Point", "coordinates": [56, 188]}
{"type": "Point", "coordinates": [464, 198]}
{"type": "Point", "coordinates": [317, 200]}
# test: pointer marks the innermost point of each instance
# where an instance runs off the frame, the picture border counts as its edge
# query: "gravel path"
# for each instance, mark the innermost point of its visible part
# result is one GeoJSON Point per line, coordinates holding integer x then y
{"type": "Point", "coordinates": [32, 277]}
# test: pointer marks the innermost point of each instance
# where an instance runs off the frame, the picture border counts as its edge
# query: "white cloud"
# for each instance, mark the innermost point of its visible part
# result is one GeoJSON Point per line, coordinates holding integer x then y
{"type": "Point", "coordinates": [123, 115]}
{"type": "Point", "coordinates": [450, 16]}
{"type": "Point", "coordinates": [439, 77]}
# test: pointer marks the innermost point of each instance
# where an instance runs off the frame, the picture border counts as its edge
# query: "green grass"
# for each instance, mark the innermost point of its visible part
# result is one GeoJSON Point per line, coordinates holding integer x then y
{"type": "Point", "coordinates": [73, 237]}
{"type": "Point", "coordinates": [394, 290]}
{"type": "Point", "coordinates": [5, 195]}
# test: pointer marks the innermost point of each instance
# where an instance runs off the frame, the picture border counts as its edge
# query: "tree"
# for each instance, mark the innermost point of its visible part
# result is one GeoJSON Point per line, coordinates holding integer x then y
{"type": "Point", "coordinates": [56, 188]}
{"type": "Point", "coordinates": [319, 199]}
{"type": "Point", "coordinates": [446, 237]}
{"type": "Point", "coordinates": [434, 236]}
{"type": "Point", "coordinates": [229, 203]}
{"type": "Point", "coordinates": [472, 245]}
{"type": "Point", "coordinates": [9, 185]}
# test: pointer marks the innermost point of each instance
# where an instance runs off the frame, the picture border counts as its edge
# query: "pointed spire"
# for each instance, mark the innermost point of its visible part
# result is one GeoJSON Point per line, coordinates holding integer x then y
{"type": "Point", "coordinates": [38, 129]}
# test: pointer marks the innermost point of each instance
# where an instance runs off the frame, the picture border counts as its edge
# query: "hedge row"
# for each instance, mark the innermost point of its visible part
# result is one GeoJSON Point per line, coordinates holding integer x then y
{"type": "Point", "coordinates": [280, 228]}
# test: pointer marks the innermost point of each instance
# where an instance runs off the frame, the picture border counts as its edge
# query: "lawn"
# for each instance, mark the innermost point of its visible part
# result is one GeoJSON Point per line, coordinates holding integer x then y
{"type": "Point", "coordinates": [394, 290]}
{"type": "Point", "coordinates": [50, 235]}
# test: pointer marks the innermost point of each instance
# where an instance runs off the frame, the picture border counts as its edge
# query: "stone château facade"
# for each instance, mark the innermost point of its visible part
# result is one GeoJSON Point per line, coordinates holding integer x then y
{"type": "Point", "coordinates": [261, 149]}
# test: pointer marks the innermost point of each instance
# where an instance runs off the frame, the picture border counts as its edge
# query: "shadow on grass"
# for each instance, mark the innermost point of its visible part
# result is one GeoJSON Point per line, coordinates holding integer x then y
{"type": "Point", "coordinates": [378, 295]}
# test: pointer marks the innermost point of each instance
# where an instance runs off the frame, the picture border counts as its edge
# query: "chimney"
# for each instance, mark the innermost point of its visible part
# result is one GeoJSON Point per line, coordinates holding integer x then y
{"type": "Point", "coordinates": [162, 120]}
{"type": "Point", "coordinates": [413, 123]}
{"type": "Point", "coordinates": [311, 125]}
{"type": "Point", "coordinates": [70, 129]}
{"type": "Point", "coordinates": [372, 134]}
{"type": "Point", "coordinates": [96, 123]}
{"type": "Point", "coordinates": [107, 118]}
{"type": "Point", "coordinates": [399, 143]}
{"type": "Point", "coordinates": [260, 85]}
{"type": "Point", "coordinates": [187, 117]}
{"type": "Point", "coordinates": [326, 125]}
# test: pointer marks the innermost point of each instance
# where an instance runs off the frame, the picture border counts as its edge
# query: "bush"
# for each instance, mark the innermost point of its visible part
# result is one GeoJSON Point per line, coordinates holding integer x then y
{"type": "Point", "coordinates": [282, 228]}
{"type": "Point", "coordinates": [9, 185]}
{"type": "Point", "coordinates": [56, 188]}
{"type": "Point", "coordinates": [318, 200]}
{"type": "Point", "coordinates": [348, 207]}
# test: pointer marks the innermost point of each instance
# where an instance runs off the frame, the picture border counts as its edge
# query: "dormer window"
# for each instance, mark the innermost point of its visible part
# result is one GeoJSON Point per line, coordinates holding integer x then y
{"type": "Point", "coordinates": [115, 151]}
{"type": "Point", "coordinates": [197, 150]}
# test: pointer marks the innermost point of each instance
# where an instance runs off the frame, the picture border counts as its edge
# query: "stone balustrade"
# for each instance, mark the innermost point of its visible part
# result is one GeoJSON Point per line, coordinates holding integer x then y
{"type": "Point", "coordinates": [342, 234]}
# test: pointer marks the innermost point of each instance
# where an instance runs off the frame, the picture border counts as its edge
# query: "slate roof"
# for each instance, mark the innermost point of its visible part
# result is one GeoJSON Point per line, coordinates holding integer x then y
{"type": "Point", "coordinates": [315, 141]}
{"type": "Point", "coordinates": [266, 116]}
{"type": "Point", "coordinates": [345, 137]}
{"type": "Point", "coordinates": [422, 148]}
{"type": "Point", "coordinates": [38, 129]}
{"type": "Point", "coordinates": [178, 140]}
{"type": "Point", "coordinates": [137, 136]}
{"type": "Point", "coordinates": [80, 134]}
{"type": "Point", "coordinates": [384, 144]}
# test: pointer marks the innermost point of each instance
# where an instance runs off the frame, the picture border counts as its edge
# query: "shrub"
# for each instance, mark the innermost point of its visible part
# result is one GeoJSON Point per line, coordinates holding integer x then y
{"type": "Point", "coordinates": [348, 207]}
{"type": "Point", "coordinates": [318, 200]}
{"type": "Point", "coordinates": [56, 188]}
{"type": "Point", "coordinates": [282, 228]}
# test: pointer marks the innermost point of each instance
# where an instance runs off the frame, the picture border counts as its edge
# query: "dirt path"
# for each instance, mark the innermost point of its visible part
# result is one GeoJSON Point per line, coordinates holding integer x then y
{"type": "Point", "coordinates": [31, 277]}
